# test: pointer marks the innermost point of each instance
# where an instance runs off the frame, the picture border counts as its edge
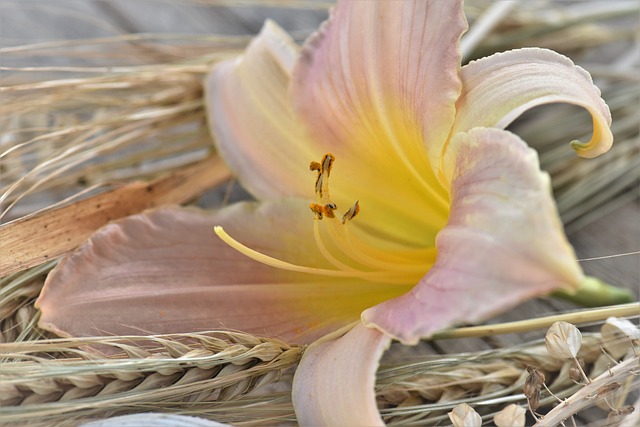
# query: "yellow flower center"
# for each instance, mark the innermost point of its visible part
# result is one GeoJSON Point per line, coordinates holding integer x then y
{"type": "Point", "coordinates": [351, 257]}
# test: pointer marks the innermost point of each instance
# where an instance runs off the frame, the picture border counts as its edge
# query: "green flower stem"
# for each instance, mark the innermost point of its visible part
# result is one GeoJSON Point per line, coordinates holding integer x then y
{"type": "Point", "coordinates": [596, 293]}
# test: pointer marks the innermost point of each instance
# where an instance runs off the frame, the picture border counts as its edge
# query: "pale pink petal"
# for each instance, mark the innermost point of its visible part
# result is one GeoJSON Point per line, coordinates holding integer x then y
{"type": "Point", "coordinates": [250, 113]}
{"type": "Point", "coordinates": [153, 419]}
{"type": "Point", "coordinates": [377, 86]}
{"type": "Point", "coordinates": [376, 62]}
{"type": "Point", "coordinates": [334, 383]}
{"type": "Point", "coordinates": [167, 272]}
{"type": "Point", "coordinates": [498, 88]}
{"type": "Point", "coordinates": [504, 242]}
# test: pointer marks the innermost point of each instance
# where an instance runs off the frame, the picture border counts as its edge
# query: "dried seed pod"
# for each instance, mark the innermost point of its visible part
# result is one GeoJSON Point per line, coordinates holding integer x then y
{"type": "Point", "coordinates": [625, 410]}
{"type": "Point", "coordinates": [563, 340]}
{"type": "Point", "coordinates": [617, 336]}
{"type": "Point", "coordinates": [532, 386]}
{"type": "Point", "coordinates": [575, 373]}
{"type": "Point", "coordinates": [534, 382]}
{"type": "Point", "coordinates": [510, 416]}
{"type": "Point", "coordinates": [624, 326]}
{"type": "Point", "coordinates": [534, 401]}
{"type": "Point", "coordinates": [464, 415]}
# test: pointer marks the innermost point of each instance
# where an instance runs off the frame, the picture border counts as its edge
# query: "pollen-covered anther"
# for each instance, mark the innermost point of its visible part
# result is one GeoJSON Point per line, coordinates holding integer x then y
{"type": "Point", "coordinates": [328, 210]}
{"type": "Point", "coordinates": [321, 211]}
{"type": "Point", "coordinates": [324, 170]}
{"type": "Point", "coordinates": [318, 210]}
{"type": "Point", "coordinates": [327, 163]}
{"type": "Point", "coordinates": [315, 166]}
{"type": "Point", "coordinates": [351, 213]}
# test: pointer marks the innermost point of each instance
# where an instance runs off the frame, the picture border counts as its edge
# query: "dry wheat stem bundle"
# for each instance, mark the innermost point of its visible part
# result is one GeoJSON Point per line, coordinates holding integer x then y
{"type": "Point", "coordinates": [223, 375]}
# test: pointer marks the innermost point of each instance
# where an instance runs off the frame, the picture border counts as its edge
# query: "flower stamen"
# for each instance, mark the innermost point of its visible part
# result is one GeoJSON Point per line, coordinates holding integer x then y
{"type": "Point", "coordinates": [351, 212]}
{"type": "Point", "coordinates": [349, 256]}
{"type": "Point", "coordinates": [334, 237]}
{"type": "Point", "coordinates": [321, 211]}
{"type": "Point", "coordinates": [322, 181]}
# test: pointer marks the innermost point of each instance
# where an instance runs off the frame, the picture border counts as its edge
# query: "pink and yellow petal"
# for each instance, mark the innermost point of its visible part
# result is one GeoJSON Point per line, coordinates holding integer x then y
{"type": "Point", "coordinates": [165, 271]}
{"type": "Point", "coordinates": [250, 114]}
{"type": "Point", "coordinates": [504, 242]}
{"type": "Point", "coordinates": [376, 69]}
{"type": "Point", "coordinates": [377, 86]}
{"type": "Point", "coordinates": [334, 382]}
{"type": "Point", "coordinates": [499, 88]}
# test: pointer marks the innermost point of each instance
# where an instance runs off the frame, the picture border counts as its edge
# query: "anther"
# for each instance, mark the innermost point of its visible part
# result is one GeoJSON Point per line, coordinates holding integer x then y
{"type": "Point", "coordinates": [328, 210]}
{"type": "Point", "coordinates": [351, 213]}
{"type": "Point", "coordinates": [315, 166]}
{"type": "Point", "coordinates": [319, 185]}
{"type": "Point", "coordinates": [327, 162]}
{"type": "Point", "coordinates": [318, 210]}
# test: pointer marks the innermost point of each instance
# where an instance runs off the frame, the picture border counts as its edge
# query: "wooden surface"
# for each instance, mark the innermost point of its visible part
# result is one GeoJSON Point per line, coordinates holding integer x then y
{"type": "Point", "coordinates": [26, 22]}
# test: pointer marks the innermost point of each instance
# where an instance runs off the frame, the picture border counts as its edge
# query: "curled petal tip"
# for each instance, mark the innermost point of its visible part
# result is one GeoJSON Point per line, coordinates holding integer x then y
{"type": "Point", "coordinates": [499, 88]}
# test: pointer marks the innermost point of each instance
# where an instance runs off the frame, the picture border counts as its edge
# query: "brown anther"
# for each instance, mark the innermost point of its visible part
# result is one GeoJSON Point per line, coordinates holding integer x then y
{"type": "Point", "coordinates": [351, 213]}
{"type": "Point", "coordinates": [319, 181]}
{"type": "Point", "coordinates": [324, 170]}
{"type": "Point", "coordinates": [327, 162]}
{"type": "Point", "coordinates": [328, 210]}
{"type": "Point", "coordinates": [317, 209]}
{"type": "Point", "coordinates": [315, 166]}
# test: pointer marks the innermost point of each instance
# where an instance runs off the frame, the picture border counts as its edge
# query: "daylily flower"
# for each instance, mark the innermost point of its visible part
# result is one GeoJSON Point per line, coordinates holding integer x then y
{"type": "Point", "coordinates": [425, 212]}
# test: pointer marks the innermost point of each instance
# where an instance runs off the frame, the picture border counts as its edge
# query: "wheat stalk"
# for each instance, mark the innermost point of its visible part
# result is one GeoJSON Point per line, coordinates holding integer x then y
{"type": "Point", "coordinates": [424, 392]}
{"type": "Point", "coordinates": [137, 124]}
{"type": "Point", "coordinates": [168, 372]}
{"type": "Point", "coordinates": [243, 379]}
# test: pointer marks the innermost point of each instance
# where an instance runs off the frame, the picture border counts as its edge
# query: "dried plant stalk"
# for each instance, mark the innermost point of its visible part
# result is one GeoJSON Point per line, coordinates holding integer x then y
{"type": "Point", "coordinates": [115, 128]}
{"type": "Point", "coordinates": [180, 373]}
{"type": "Point", "coordinates": [597, 390]}
{"type": "Point", "coordinates": [425, 391]}
{"type": "Point", "coordinates": [38, 238]}
{"type": "Point", "coordinates": [240, 378]}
